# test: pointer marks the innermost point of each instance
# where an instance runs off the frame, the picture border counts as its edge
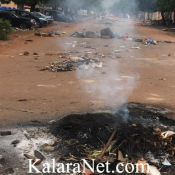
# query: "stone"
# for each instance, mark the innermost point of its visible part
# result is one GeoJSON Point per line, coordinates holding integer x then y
{"type": "Point", "coordinates": [48, 148]}
{"type": "Point", "coordinates": [2, 160]}
{"type": "Point", "coordinates": [39, 155]}
{"type": "Point", "coordinates": [52, 143]}
{"type": "Point", "coordinates": [26, 53]}
{"type": "Point", "coordinates": [15, 142]}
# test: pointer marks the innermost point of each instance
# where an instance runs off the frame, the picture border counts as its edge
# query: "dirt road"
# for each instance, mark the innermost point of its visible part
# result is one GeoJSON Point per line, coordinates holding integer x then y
{"type": "Point", "coordinates": [29, 94]}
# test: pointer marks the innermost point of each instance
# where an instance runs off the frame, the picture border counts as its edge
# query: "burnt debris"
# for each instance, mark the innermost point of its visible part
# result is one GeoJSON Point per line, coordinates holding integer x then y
{"type": "Point", "coordinates": [134, 133]}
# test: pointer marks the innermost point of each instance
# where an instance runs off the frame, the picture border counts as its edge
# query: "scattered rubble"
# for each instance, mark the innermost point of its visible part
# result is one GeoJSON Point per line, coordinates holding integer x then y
{"type": "Point", "coordinates": [42, 34]}
{"type": "Point", "coordinates": [7, 171]}
{"type": "Point", "coordinates": [26, 53]}
{"type": "Point", "coordinates": [105, 33]}
{"type": "Point", "coordinates": [74, 63]}
{"type": "Point", "coordinates": [139, 138]}
{"type": "Point", "coordinates": [28, 40]}
{"type": "Point", "coordinates": [169, 29]}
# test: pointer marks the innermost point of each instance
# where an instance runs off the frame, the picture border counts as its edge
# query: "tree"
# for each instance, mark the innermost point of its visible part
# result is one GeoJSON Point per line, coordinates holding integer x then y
{"type": "Point", "coordinates": [84, 4]}
{"type": "Point", "coordinates": [165, 6]}
{"type": "Point", "coordinates": [31, 3]}
{"type": "Point", "coordinates": [5, 29]}
{"type": "Point", "coordinates": [147, 5]}
{"type": "Point", "coordinates": [54, 3]}
{"type": "Point", "coordinates": [124, 7]}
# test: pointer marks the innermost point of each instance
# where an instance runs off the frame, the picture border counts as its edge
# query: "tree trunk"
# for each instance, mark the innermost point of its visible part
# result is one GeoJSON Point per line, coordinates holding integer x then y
{"type": "Point", "coordinates": [33, 7]}
{"type": "Point", "coordinates": [163, 17]}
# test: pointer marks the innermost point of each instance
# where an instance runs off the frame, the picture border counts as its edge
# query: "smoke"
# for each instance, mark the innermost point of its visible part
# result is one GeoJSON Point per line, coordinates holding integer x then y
{"type": "Point", "coordinates": [113, 88]}
{"type": "Point", "coordinates": [110, 85]}
{"type": "Point", "coordinates": [123, 7]}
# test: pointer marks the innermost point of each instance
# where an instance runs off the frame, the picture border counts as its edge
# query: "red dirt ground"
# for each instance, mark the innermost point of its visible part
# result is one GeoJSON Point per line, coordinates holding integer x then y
{"type": "Point", "coordinates": [52, 95]}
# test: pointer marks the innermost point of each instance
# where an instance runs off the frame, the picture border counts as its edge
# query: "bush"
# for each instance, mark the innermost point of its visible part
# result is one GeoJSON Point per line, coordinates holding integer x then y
{"type": "Point", "coordinates": [5, 29]}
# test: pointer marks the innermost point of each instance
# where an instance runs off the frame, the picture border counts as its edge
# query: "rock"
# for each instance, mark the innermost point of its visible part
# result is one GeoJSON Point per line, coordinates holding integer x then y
{"type": "Point", "coordinates": [45, 68]}
{"type": "Point", "coordinates": [53, 143]}
{"type": "Point", "coordinates": [33, 159]}
{"type": "Point", "coordinates": [134, 125]}
{"type": "Point", "coordinates": [39, 155]}
{"type": "Point", "coordinates": [26, 53]}
{"type": "Point", "coordinates": [52, 121]}
{"type": "Point", "coordinates": [27, 136]}
{"type": "Point", "coordinates": [15, 142]}
{"type": "Point", "coordinates": [29, 40]}
{"type": "Point", "coordinates": [48, 148]}
{"type": "Point", "coordinates": [35, 121]}
{"type": "Point", "coordinates": [5, 133]}
{"type": "Point", "coordinates": [29, 156]}
{"type": "Point", "coordinates": [2, 160]}
{"type": "Point", "coordinates": [35, 53]}
{"type": "Point", "coordinates": [22, 100]}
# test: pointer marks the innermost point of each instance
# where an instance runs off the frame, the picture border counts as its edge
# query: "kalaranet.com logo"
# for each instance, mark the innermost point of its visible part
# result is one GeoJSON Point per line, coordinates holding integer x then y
{"type": "Point", "coordinates": [75, 168]}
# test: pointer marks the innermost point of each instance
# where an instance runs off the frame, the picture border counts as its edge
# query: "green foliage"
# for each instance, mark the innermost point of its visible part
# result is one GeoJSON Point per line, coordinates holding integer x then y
{"type": "Point", "coordinates": [128, 6]}
{"type": "Point", "coordinates": [147, 5]}
{"type": "Point", "coordinates": [84, 4]}
{"type": "Point", "coordinates": [29, 2]}
{"type": "Point", "coordinates": [166, 5]}
{"type": "Point", "coordinates": [5, 29]}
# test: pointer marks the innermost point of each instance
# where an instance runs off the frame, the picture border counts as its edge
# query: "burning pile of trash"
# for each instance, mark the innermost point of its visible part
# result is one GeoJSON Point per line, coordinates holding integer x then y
{"type": "Point", "coordinates": [74, 63]}
{"type": "Point", "coordinates": [143, 135]}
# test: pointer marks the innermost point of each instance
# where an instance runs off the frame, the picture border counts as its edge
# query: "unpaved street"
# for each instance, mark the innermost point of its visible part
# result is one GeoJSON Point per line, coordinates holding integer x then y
{"type": "Point", "coordinates": [49, 95]}
{"type": "Point", "coordinates": [129, 71]}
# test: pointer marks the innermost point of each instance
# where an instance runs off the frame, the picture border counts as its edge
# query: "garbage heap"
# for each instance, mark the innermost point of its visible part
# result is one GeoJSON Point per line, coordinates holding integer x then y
{"type": "Point", "coordinates": [74, 63]}
{"type": "Point", "coordinates": [105, 33]}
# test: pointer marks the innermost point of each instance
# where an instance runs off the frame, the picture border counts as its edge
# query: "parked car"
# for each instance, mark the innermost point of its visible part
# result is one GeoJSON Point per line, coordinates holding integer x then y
{"type": "Point", "coordinates": [40, 15]}
{"type": "Point", "coordinates": [58, 16]}
{"type": "Point", "coordinates": [40, 21]}
{"type": "Point", "coordinates": [17, 21]}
